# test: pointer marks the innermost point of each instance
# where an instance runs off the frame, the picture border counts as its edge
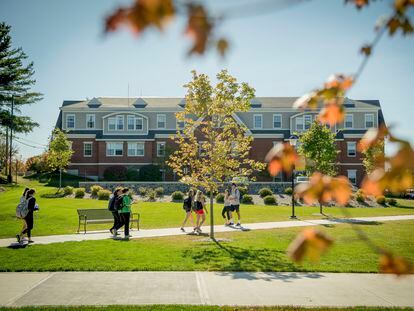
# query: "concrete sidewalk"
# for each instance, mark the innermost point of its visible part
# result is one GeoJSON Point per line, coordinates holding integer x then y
{"type": "Point", "coordinates": [205, 288]}
{"type": "Point", "coordinates": [148, 233]}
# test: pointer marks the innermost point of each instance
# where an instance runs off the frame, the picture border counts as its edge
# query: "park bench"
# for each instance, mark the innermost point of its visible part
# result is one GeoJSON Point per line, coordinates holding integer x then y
{"type": "Point", "coordinates": [101, 216]}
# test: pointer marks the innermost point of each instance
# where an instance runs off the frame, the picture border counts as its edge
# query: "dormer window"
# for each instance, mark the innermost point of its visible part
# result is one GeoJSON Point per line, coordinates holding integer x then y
{"type": "Point", "coordinates": [257, 121]}
{"type": "Point", "coordinates": [369, 120]}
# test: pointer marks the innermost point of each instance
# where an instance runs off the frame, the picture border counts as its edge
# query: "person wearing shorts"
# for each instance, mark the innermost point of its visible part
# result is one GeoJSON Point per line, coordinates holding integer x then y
{"type": "Point", "coordinates": [188, 206]}
{"type": "Point", "coordinates": [200, 210]}
{"type": "Point", "coordinates": [227, 208]}
{"type": "Point", "coordinates": [235, 206]}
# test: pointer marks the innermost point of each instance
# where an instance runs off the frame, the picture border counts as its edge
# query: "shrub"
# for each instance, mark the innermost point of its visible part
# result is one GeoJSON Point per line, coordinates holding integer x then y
{"type": "Point", "coordinates": [150, 173]}
{"type": "Point", "coordinates": [288, 191]}
{"type": "Point", "coordinates": [264, 192]}
{"type": "Point", "coordinates": [79, 193]}
{"type": "Point", "coordinates": [220, 198]}
{"type": "Point", "coordinates": [177, 196]}
{"type": "Point", "coordinates": [360, 196]}
{"type": "Point", "coordinates": [159, 191]}
{"type": "Point", "coordinates": [115, 173]}
{"type": "Point", "coordinates": [247, 199]}
{"type": "Point", "coordinates": [142, 191]}
{"type": "Point", "coordinates": [95, 189]}
{"type": "Point", "coordinates": [104, 194]}
{"type": "Point", "coordinates": [68, 190]}
{"type": "Point", "coordinates": [243, 190]}
{"type": "Point", "coordinates": [54, 195]}
{"type": "Point", "coordinates": [380, 199]}
{"type": "Point", "coordinates": [151, 195]}
{"type": "Point", "coordinates": [391, 201]}
{"type": "Point", "coordinates": [132, 174]}
{"type": "Point", "coordinates": [269, 200]}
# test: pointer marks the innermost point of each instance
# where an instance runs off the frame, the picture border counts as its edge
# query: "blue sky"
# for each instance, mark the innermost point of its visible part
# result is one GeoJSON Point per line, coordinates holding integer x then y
{"type": "Point", "coordinates": [281, 53]}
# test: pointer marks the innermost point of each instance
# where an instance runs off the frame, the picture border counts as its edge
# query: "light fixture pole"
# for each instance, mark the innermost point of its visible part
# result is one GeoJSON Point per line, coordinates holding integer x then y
{"type": "Point", "coordinates": [293, 141]}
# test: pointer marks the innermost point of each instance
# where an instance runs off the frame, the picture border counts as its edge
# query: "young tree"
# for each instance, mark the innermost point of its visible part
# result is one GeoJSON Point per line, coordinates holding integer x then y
{"type": "Point", "coordinates": [373, 156]}
{"type": "Point", "coordinates": [317, 146]}
{"type": "Point", "coordinates": [212, 147]}
{"type": "Point", "coordinates": [16, 80]}
{"type": "Point", "coordinates": [60, 153]}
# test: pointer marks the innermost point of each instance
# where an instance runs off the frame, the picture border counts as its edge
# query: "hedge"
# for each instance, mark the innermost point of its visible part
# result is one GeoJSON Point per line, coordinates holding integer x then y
{"type": "Point", "coordinates": [79, 193]}
{"type": "Point", "coordinates": [247, 199]}
{"type": "Point", "coordinates": [104, 194]}
{"type": "Point", "coordinates": [220, 198]}
{"type": "Point", "coordinates": [269, 200]}
{"type": "Point", "coordinates": [177, 196]}
{"type": "Point", "coordinates": [68, 190]}
{"type": "Point", "coordinates": [264, 192]}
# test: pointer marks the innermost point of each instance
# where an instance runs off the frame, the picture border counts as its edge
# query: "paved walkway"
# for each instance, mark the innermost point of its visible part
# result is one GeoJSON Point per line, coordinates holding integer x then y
{"type": "Point", "coordinates": [205, 288]}
{"type": "Point", "coordinates": [101, 235]}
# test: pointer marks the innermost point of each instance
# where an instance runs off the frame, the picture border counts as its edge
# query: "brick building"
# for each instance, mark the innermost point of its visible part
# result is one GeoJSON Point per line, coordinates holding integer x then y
{"type": "Point", "coordinates": [134, 132]}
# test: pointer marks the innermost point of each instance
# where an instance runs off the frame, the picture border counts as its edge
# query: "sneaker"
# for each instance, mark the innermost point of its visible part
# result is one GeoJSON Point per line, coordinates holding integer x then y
{"type": "Point", "coordinates": [112, 231]}
{"type": "Point", "coordinates": [30, 241]}
{"type": "Point", "coordinates": [199, 230]}
{"type": "Point", "coordinates": [182, 229]}
{"type": "Point", "coordinates": [238, 224]}
{"type": "Point", "coordinates": [231, 224]}
{"type": "Point", "coordinates": [18, 238]}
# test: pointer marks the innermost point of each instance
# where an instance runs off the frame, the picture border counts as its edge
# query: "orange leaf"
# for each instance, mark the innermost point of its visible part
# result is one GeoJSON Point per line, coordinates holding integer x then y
{"type": "Point", "coordinates": [332, 114]}
{"type": "Point", "coordinates": [366, 50]}
{"type": "Point", "coordinates": [199, 27]}
{"type": "Point", "coordinates": [394, 264]}
{"type": "Point", "coordinates": [222, 46]}
{"type": "Point", "coordinates": [281, 157]}
{"type": "Point", "coordinates": [372, 137]}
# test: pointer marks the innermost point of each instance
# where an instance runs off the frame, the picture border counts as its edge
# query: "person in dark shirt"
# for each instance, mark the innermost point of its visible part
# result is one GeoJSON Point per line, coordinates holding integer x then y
{"type": "Point", "coordinates": [31, 205]}
{"type": "Point", "coordinates": [188, 207]}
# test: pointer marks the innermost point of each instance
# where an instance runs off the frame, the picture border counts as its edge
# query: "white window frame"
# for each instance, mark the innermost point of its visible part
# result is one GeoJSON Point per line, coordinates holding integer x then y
{"type": "Point", "coordinates": [74, 121]}
{"type": "Point", "coordinates": [373, 120]}
{"type": "Point", "coordinates": [93, 120]}
{"type": "Point", "coordinates": [119, 122]}
{"type": "Point", "coordinates": [281, 118]}
{"type": "Point", "coordinates": [113, 120]}
{"type": "Point", "coordinates": [136, 144]}
{"type": "Point", "coordinates": [348, 144]}
{"type": "Point", "coordinates": [159, 144]}
{"type": "Point", "coordinates": [302, 125]}
{"type": "Point", "coordinates": [353, 172]}
{"type": "Point", "coordinates": [352, 121]}
{"type": "Point", "coordinates": [309, 117]}
{"type": "Point", "coordinates": [108, 149]}
{"type": "Point", "coordinates": [254, 121]}
{"type": "Point", "coordinates": [134, 123]}
{"type": "Point", "coordinates": [159, 116]}
{"type": "Point", "coordinates": [89, 143]}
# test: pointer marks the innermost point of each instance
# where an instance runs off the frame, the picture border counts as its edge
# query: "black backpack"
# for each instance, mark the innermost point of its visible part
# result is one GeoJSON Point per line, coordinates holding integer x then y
{"type": "Point", "coordinates": [119, 202]}
{"type": "Point", "coordinates": [111, 203]}
{"type": "Point", "coordinates": [187, 203]}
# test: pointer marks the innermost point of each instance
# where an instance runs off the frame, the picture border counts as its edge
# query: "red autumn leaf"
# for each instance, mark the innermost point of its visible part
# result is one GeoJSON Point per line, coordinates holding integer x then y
{"type": "Point", "coordinates": [332, 113]}
{"type": "Point", "coordinates": [199, 27]}
{"type": "Point", "coordinates": [282, 157]}
{"type": "Point", "coordinates": [310, 243]}
{"type": "Point", "coordinates": [372, 137]}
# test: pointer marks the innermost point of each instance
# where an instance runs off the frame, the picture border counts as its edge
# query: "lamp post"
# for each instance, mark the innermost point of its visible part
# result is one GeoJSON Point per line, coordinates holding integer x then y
{"type": "Point", "coordinates": [293, 141]}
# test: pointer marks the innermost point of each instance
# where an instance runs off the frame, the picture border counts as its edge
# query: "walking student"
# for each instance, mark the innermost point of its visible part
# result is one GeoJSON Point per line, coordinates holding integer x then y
{"type": "Point", "coordinates": [227, 208]}
{"type": "Point", "coordinates": [22, 205]}
{"type": "Point", "coordinates": [125, 211]}
{"type": "Point", "coordinates": [188, 206]}
{"type": "Point", "coordinates": [235, 205]}
{"type": "Point", "coordinates": [112, 208]}
{"type": "Point", "coordinates": [200, 209]}
{"type": "Point", "coordinates": [31, 207]}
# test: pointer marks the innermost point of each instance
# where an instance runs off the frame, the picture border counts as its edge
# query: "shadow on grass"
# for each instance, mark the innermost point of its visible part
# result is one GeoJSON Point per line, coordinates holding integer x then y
{"type": "Point", "coordinates": [220, 256]}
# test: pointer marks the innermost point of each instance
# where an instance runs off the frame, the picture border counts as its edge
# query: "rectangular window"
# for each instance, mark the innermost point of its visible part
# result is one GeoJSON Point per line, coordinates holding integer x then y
{"type": "Point", "coordinates": [308, 121]}
{"type": "Point", "coordinates": [352, 176]}
{"type": "Point", "coordinates": [258, 121]}
{"type": "Point", "coordinates": [70, 121]}
{"type": "Point", "coordinates": [277, 121]}
{"type": "Point", "coordinates": [161, 149]}
{"type": "Point", "coordinates": [87, 149]}
{"type": "Point", "coordinates": [180, 124]}
{"type": "Point", "coordinates": [299, 123]}
{"type": "Point", "coordinates": [134, 123]}
{"type": "Point", "coordinates": [136, 149]}
{"type": "Point", "coordinates": [111, 124]}
{"type": "Point", "coordinates": [349, 121]}
{"type": "Point", "coordinates": [114, 149]}
{"type": "Point", "coordinates": [90, 121]}
{"type": "Point", "coordinates": [120, 123]}
{"type": "Point", "coordinates": [351, 148]}
{"type": "Point", "coordinates": [369, 120]}
{"type": "Point", "coordinates": [161, 121]}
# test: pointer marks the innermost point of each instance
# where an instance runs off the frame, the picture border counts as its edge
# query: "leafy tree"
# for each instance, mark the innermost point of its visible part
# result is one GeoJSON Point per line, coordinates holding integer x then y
{"type": "Point", "coordinates": [212, 147]}
{"type": "Point", "coordinates": [16, 81]}
{"type": "Point", "coordinates": [373, 156]}
{"type": "Point", "coordinates": [318, 147]}
{"type": "Point", "coordinates": [150, 173]}
{"type": "Point", "coordinates": [60, 152]}
{"type": "Point", "coordinates": [38, 164]}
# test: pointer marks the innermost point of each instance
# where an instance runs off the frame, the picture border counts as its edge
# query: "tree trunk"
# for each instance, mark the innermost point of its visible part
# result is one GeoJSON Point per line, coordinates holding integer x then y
{"type": "Point", "coordinates": [211, 214]}
{"type": "Point", "coordinates": [320, 208]}
{"type": "Point", "coordinates": [6, 155]}
{"type": "Point", "coordinates": [60, 178]}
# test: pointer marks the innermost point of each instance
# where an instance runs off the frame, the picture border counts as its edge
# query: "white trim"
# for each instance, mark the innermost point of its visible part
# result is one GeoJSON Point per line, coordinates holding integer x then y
{"type": "Point", "coordinates": [164, 135]}
{"type": "Point", "coordinates": [281, 120]}
{"type": "Point", "coordinates": [159, 143]}
{"type": "Point", "coordinates": [353, 135]}
{"type": "Point", "coordinates": [254, 127]}
{"type": "Point", "coordinates": [165, 122]}
{"type": "Point", "coordinates": [365, 120]}
{"type": "Point", "coordinates": [87, 143]}
{"type": "Point", "coordinates": [94, 121]}
{"type": "Point", "coordinates": [74, 121]}
{"type": "Point", "coordinates": [241, 123]}
{"type": "Point", "coordinates": [118, 139]}
{"type": "Point", "coordinates": [124, 113]}
{"type": "Point", "coordinates": [267, 135]}
{"type": "Point", "coordinates": [352, 117]}
{"type": "Point", "coordinates": [80, 135]}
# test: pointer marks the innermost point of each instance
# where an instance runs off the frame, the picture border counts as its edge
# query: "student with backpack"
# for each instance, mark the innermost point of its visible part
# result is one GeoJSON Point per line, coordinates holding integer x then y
{"type": "Point", "coordinates": [200, 209]}
{"type": "Point", "coordinates": [125, 211]}
{"type": "Point", "coordinates": [112, 208]}
{"type": "Point", "coordinates": [21, 210]}
{"type": "Point", "coordinates": [188, 206]}
{"type": "Point", "coordinates": [235, 205]}
{"type": "Point", "coordinates": [30, 207]}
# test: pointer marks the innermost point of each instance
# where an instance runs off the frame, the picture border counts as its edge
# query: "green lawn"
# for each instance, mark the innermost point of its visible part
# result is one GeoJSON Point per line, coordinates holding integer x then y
{"type": "Point", "coordinates": [191, 308]}
{"type": "Point", "coordinates": [59, 216]}
{"type": "Point", "coordinates": [261, 250]}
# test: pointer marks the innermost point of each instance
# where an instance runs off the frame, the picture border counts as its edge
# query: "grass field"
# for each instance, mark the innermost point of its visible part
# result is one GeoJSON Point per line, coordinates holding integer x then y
{"type": "Point", "coordinates": [191, 308]}
{"type": "Point", "coordinates": [261, 250]}
{"type": "Point", "coordinates": [59, 216]}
